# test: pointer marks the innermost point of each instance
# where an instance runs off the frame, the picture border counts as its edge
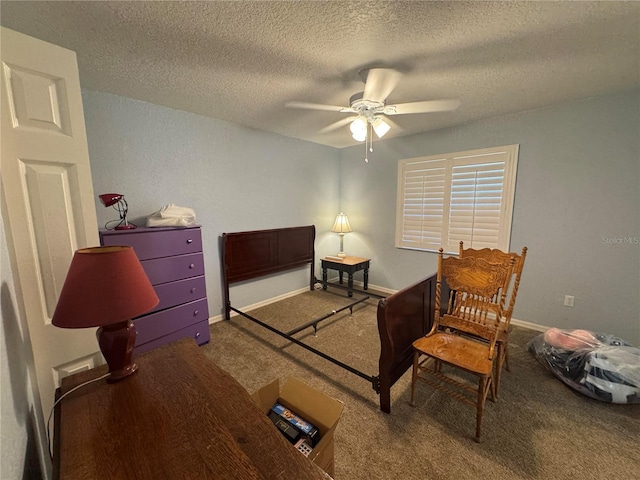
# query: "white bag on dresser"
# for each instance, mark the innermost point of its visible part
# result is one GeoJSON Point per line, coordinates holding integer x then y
{"type": "Point", "coordinates": [171, 216]}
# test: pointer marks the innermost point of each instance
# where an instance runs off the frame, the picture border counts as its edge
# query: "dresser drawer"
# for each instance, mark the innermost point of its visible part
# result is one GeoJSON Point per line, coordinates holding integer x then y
{"type": "Point", "coordinates": [199, 332]}
{"type": "Point", "coordinates": [149, 243]}
{"type": "Point", "coordinates": [180, 291]}
{"type": "Point", "coordinates": [169, 269]}
{"type": "Point", "coordinates": [170, 320]}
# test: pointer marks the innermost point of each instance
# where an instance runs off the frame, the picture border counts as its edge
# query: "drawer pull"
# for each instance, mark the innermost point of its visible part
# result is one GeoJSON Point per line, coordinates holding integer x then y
{"type": "Point", "coordinates": [192, 266]}
{"type": "Point", "coordinates": [190, 241]}
{"type": "Point", "coordinates": [197, 334]}
{"type": "Point", "coordinates": [195, 313]}
{"type": "Point", "coordinates": [193, 290]}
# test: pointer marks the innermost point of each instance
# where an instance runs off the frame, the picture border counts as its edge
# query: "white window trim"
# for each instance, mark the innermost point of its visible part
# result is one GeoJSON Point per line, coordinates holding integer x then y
{"type": "Point", "coordinates": [446, 163]}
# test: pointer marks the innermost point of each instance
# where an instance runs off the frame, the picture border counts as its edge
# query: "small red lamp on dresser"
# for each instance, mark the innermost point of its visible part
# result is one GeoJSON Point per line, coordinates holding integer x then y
{"type": "Point", "coordinates": [106, 287]}
{"type": "Point", "coordinates": [117, 201]}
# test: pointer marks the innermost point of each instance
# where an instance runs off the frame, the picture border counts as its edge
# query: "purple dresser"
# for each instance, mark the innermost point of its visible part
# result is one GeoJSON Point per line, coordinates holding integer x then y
{"type": "Point", "coordinates": [172, 258]}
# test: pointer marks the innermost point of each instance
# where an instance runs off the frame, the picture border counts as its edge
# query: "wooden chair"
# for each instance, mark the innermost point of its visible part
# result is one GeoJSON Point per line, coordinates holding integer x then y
{"type": "Point", "coordinates": [465, 337]}
{"type": "Point", "coordinates": [511, 289]}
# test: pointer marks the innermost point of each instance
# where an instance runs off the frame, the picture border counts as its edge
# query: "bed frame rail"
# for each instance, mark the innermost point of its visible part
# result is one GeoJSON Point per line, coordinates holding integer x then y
{"type": "Point", "coordinates": [374, 380]}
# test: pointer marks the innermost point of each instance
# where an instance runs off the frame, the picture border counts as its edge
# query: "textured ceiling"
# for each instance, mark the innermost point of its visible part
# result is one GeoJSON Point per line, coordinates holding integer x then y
{"type": "Point", "coordinates": [241, 61]}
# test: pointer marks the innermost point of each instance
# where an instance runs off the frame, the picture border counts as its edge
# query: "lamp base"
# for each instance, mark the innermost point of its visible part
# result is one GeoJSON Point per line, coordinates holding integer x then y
{"type": "Point", "coordinates": [341, 253]}
{"type": "Point", "coordinates": [116, 344]}
{"type": "Point", "coordinates": [128, 226]}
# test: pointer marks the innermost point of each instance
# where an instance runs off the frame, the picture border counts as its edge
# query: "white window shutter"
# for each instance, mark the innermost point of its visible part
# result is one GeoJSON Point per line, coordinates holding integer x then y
{"type": "Point", "coordinates": [423, 184]}
{"type": "Point", "coordinates": [465, 196]}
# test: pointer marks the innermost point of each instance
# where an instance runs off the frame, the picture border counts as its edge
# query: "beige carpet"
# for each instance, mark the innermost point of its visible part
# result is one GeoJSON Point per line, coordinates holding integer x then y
{"type": "Point", "coordinates": [539, 428]}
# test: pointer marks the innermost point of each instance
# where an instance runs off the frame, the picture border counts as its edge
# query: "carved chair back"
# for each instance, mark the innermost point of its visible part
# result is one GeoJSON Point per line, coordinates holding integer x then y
{"type": "Point", "coordinates": [510, 289]}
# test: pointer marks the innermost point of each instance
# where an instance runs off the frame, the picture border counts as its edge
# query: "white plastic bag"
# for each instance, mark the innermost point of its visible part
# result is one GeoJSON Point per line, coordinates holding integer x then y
{"type": "Point", "coordinates": [597, 364]}
{"type": "Point", "coordinates": [172, 216]}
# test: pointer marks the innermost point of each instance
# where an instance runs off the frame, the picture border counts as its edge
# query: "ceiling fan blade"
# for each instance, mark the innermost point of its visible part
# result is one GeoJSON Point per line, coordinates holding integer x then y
{"type": "Point", "coordinates": [380, 83]}
{"type": "Point", "coordinates": [335, 125]}
{"type": "Point", "coordinates": [426, 106]}
{"type": "Point", "coordinates": [317, 106]}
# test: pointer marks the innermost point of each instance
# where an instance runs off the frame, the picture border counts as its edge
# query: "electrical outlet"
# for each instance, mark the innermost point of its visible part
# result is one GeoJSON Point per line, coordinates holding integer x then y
{"type": "Point", "coordinates": [568, 300]}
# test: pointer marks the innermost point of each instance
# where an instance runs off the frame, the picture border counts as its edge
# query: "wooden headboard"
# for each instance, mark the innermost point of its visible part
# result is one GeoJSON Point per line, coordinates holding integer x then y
{"type": "Point", "coordinates": [247, 255]}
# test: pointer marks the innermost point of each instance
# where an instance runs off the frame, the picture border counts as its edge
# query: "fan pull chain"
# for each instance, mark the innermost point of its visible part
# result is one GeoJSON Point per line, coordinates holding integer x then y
{"type": "Point", "coordinates": [368, 142]}
{"type": "Point", "coordinates": [366, 150]}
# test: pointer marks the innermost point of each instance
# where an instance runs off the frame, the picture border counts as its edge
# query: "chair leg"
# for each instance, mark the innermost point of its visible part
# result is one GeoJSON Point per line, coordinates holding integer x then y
{"type": "Point", "coordinates": [503, 360]}
{"type": "Point", "coordinates": [498, 370]}
{"type": "Point", "coordinates": [492, 388]}
{"type": "Point", "coordinates": [414, 376]}
{"type": "Point", "coordinates": [506, 356]}
{"type": "Point", "coordinates": [483, 388]}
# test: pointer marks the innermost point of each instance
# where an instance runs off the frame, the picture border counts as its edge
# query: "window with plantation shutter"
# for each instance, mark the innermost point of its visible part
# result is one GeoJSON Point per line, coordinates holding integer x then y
{"type": "Point", "coordinates": [464, 196]}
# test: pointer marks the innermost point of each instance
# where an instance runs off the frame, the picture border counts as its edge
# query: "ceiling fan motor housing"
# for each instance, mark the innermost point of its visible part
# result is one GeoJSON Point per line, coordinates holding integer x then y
{"type": "Point", "coordinates": [365, 107]}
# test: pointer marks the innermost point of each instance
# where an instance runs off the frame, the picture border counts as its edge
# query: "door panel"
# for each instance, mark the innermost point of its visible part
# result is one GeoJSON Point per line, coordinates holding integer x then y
{"type": "Point", "coordinates": [37, 100]}
{"type": "Point", "coordinates": [49, 206]}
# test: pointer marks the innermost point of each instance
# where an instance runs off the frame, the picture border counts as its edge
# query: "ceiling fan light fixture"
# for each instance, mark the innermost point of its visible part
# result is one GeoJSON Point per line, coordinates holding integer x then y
{"type": "Point", "coordinates": [359, 136]}
{"type": "Point", "coordinates": [359, 129]}
{"type": "Point", "coordinates": [380, 127]}
{"type": "Point", "coordinates": [359, 125]}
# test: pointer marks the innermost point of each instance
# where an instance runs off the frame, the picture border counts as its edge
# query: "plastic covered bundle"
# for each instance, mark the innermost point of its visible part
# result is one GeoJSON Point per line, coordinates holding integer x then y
{"type": "Point", "coordinates": [599, 365]}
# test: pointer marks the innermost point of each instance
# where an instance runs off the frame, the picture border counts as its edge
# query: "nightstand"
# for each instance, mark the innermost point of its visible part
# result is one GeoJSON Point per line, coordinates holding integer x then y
{"type": "Point", "coordinates": [348, 265]}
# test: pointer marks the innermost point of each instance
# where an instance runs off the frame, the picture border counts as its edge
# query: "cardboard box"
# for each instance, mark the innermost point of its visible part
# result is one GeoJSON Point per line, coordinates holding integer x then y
{"type": "Point", "coordinates": [316, 407]}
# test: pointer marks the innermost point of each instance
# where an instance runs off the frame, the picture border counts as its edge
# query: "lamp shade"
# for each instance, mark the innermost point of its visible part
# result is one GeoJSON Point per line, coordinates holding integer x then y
{"type": "Point", "coordinates": [109, 199]}
{"type": "Point", "coordinates": [341, 224]}
{"type": "Point", "coordinates": [104, 285]}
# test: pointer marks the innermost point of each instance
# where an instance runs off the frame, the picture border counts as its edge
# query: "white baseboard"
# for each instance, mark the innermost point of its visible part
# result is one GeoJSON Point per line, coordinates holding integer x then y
{"type": "Point", "coordinates": [378, 288]}
{"type": "Point", "coordinates": [360, 286]}
{"type": "Point", "coordinates": [529, 325]}
{"type": "Point", "coordinates": [264, 303]}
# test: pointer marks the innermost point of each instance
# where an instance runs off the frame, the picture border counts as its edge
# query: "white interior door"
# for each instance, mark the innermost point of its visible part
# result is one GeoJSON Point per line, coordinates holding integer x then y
{"type": "Point", "coordinates": [48, 194]}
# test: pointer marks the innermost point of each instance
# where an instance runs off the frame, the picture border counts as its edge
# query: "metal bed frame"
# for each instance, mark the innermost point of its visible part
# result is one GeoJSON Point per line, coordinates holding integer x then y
{"type": "Point", "coordinates": [402, 317]}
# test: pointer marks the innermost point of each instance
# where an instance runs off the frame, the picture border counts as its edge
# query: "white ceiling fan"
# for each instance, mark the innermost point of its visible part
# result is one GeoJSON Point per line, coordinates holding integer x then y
{"type": "Point", "coordinates": [370, 108]}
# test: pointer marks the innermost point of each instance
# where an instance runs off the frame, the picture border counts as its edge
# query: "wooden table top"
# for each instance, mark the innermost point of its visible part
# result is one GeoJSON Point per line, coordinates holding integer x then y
{"type": "Point", "coordinates": [348, 260]}
{"type": "Point", "coordinates": [179, 417]}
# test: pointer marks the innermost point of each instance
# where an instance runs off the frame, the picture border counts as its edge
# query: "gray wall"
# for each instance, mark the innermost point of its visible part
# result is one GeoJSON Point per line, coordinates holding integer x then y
{"type": "Point", "coordinates": [576, 208]}
{"type": "Point", "coordinates": [235, 178]}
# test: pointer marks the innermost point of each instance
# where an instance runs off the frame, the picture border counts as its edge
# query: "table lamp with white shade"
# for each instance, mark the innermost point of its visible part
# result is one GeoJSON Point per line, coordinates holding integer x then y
{"type": "Point", "coordinates": [341, 226]}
